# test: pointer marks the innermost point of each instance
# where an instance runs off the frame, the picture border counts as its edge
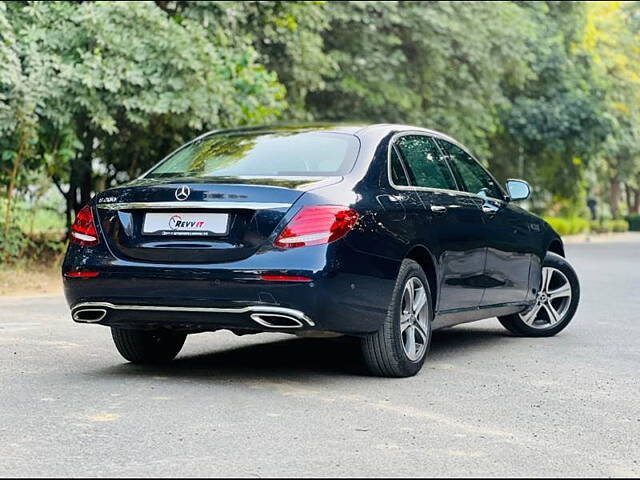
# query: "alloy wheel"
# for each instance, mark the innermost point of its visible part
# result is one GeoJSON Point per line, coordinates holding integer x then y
{"type": "Point", "coordinates": [414, 318]}
{"type": "Point", "coordinates": [553, 300]}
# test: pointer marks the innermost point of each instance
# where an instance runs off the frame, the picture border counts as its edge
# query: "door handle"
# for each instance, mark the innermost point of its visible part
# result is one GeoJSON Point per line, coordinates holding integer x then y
{"type": "Point", "coordinates": [490, 208]}
{"type": "Point", "coordinates": [389, 200]}
{"type": "Point", "coordinates": [438, 208]}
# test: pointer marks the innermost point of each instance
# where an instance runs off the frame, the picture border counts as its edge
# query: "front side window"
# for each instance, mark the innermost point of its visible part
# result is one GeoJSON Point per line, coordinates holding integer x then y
{"type": "Point", "coordinates": [474, 177]}
{"type": "Point", "coordinates": [269, 154]}
{"type": "Point", "coordinates": [425, 165]}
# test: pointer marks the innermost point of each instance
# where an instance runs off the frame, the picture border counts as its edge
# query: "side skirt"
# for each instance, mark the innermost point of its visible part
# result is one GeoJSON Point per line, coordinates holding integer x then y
{"type": "Point", "coordinates": [450, 318]}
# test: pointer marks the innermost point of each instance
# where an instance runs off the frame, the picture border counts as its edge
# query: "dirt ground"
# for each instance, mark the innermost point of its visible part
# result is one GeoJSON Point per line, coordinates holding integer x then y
{"type": "Point", "coordinates": [30, 281]}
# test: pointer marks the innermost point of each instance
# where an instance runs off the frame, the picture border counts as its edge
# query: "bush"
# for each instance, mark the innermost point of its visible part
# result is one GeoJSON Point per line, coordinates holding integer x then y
{"type": "Point", "coordinates": [609, 226]}
{"type": "Point", "coordinates": [12, 243]}
{"type": "Point", "coordinates": [37, 232]}
{"type": "Point", "coordinates": [568, 226]}
{"type": "Point", "coordinates": [21, 247]}
{"type": "Point", "coordinates": [579, 225]}
{"type": "Point", "coordinates": [634, 222]}
{"type": "Point", "coordinates": [572, 226]}
{"type": "Point", "coordinates": [599, 227]}
{"type": "Point", "coordinates": [619, 225]}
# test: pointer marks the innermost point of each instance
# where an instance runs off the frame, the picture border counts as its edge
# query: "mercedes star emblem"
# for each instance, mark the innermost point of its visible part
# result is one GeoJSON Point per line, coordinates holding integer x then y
{"type": "Point", "coordinates": [183, 192]}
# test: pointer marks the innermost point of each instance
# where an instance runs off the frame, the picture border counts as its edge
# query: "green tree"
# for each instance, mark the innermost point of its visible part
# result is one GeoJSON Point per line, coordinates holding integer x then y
{"type": "Point", "coordinates": [612, 39]}
{"type": "Point", "coordinates": [438, 64]}
{"type": "Point", "coordinates": [554, 125]}
{"type": "Point", "coordinates": [93, 93]}
{"type": "Point", "coordinates": [23, 82]}
{"type": "Point", "coordinates": [130, 83]}
{"type": "Point", "coordinates": [287, 37]}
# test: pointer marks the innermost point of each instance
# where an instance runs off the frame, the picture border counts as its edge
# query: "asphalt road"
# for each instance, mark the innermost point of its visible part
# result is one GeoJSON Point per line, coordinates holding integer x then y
{"type": "Point", "coordinates": [486, 403]}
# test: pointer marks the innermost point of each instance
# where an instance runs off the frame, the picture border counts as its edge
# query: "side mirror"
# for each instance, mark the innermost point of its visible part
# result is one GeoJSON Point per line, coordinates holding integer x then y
{"type": "Point", "coordinates": [518, 189]}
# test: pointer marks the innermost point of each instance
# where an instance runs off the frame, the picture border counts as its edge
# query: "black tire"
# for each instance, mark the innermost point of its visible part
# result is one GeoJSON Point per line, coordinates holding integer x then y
{"type": "Point", "coordinates": [517, 326]}
{"type": "Point", "coordinates": [147, 346]}
{"type": "Point", "coordinates": [383, 351]}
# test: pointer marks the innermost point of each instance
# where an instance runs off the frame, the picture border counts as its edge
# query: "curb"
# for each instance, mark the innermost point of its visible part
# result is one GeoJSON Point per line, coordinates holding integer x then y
{"type": "Point", "coordinates": [602, 237]}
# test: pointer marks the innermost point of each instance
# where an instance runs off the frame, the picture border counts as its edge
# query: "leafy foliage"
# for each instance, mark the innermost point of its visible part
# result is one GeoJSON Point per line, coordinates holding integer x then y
{"type": "Point", "coordinates": [288, 37]}
{"type": "Point", "coordinates": [124, 82]}
{"type": "Point", "coordinates": [555, 122]}
{"type": "Point", "coordinates": [442, 64]}
{"type": "Point", "coordinates": [92, 93]}
{"type": "Point", "coordinates": [612, 39]}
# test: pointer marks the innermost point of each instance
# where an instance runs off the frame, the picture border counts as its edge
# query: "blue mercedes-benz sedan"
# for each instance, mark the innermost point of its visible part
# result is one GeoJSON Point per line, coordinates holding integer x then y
{"type": "Point", "coordinates": [381, 232]}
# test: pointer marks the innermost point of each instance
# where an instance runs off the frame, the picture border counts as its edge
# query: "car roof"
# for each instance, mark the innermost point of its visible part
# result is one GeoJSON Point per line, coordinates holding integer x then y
{"type": "Point", "coordinates": [383, 129]}
{"type": "Point", "coordinates": [357, 129]}
{"type": "Point", "coordinates": [311, 127]}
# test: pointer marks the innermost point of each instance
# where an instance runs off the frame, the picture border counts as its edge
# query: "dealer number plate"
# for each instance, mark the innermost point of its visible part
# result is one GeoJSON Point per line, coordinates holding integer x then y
{"type": "Point", "coordinates": [185, 224]}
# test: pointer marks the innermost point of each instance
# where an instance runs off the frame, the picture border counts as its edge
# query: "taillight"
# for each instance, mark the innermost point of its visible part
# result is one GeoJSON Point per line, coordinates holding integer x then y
{"type": "Point", "coordinates": [315, 225]}
{"type": "Point", "coordinates": [83, 230]}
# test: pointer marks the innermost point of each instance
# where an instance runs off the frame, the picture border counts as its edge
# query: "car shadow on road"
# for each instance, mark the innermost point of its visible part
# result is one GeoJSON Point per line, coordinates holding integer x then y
{"type": "Point", "coordinates": [298, 358]}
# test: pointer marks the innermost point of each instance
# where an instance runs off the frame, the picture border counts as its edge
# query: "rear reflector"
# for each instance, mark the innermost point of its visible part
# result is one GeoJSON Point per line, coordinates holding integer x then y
{"type": "Point", "coordinates": [81, 274]}
{"type": "Point", "coordinates": [315, 225]}
{"type": "Point", "coordinates": [285, 278]}
{"type": "Point", "coordinates": [83, 230]}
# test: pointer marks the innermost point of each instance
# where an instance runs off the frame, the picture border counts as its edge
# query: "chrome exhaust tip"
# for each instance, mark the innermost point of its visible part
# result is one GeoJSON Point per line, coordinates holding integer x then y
{"type": "Point", "coordinates": [276, 320]}
{"type": "Point", "coordinates": [89, 315]}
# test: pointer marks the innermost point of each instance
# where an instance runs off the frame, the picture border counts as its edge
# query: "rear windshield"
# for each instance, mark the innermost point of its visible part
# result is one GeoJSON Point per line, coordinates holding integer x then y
{"type": "Point", "coordinates": [263, 154]}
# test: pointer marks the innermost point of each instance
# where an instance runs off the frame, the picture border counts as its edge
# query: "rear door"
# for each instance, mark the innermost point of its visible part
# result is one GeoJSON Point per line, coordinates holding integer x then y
{"type": "Point", "coordinates": [453, 223]}
{"type": "Point", "coordinates": [509, 251]}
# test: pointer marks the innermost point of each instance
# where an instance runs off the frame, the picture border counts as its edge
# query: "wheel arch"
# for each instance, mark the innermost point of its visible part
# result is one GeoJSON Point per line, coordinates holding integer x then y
{"type": "Point", "coordinates": [424, 258]}
{"type": "Point", "coordinates": [555, 246]}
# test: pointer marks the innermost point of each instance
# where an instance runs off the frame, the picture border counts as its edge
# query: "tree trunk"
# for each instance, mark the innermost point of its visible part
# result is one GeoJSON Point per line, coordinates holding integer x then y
{"type": "Point", "coordinates": [81, 176]}
{"type": "Point", "coordinates": [86, 183]}
{"type": "Point", "coordinates": [66, 195]}
{"type": "Point", "coordinates": [17, 162]}
{"type": "Point", "coordinates": [80, 179]}
{"type": "Point", "coordinates": [10, 187]}
{"type": "Point", "coordinates": [614, 197]}
{"type": "Point", "coordinates": [79, 183]}
{"type": "Point", "coordinates": [71, 204]}
{"type": "Point", "coordinates": [633, 199]}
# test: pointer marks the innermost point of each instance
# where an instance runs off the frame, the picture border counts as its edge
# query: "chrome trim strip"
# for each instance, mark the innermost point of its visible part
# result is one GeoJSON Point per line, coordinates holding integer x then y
{"type": "Point", "coordinates": [83, 237]}
{"type": "Point", "coordinates": [189, 205]}
{"type": "Point", "coordinates": [266, 309]}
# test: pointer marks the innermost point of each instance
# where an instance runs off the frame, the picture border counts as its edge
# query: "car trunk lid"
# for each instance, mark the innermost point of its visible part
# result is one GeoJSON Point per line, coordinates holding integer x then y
{"type": "Point", "coordinates": [195, 220]}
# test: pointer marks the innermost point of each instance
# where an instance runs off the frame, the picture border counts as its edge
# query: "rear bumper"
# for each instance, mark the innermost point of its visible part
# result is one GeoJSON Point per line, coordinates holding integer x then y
{"type": "Point", "coordinates": [352, 300]}
{"type": "Point", "coordinates": [271, 317]}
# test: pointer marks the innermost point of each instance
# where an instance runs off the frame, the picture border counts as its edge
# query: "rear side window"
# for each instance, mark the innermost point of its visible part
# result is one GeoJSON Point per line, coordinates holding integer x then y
{"type": "Point", "coordinates": [398, 175]}
{"type": "Point", "coordinates": [424, 163]}
{"type": "Point", "coordinates": [475, 178]}
{"type": "Point", "coordinates": [269, 154]}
